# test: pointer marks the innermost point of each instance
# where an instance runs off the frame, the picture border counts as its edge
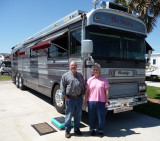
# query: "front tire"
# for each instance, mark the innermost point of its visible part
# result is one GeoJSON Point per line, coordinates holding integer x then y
{"type": "Point", "coordinates": [58, 100]}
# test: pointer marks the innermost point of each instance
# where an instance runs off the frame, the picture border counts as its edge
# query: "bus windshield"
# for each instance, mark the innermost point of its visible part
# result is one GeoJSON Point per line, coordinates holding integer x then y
{"type": "Point", "coordinates": [114, 44]}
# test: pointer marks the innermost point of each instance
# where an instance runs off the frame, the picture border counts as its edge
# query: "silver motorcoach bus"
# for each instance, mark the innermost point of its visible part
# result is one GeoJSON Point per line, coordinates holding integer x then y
{"type": "Point", "coordinates": [107, 35]}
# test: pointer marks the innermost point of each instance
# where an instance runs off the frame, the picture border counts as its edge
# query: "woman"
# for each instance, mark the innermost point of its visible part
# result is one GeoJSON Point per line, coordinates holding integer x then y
{"type": "Point", "coordinates": [96, 98]}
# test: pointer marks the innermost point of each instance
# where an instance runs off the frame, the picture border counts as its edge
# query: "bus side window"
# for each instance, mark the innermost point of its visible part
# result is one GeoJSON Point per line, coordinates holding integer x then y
{"type": "Point", "coordinates": [53, 51]}
{"type": "Point", "coordinates": [75, 42]}
{"type": "Point", "coordinates": [27, 53]}
{"type": "Point", "coordinates": [33, 53]}
{"type": "Point", "coordinates": [41, 53]}
{"type": "Point", "coordinates": [59, 47]}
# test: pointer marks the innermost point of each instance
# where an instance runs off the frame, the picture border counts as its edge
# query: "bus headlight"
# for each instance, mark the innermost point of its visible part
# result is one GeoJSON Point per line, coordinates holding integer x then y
{"type": "Point", "coordinates": [142, 87]}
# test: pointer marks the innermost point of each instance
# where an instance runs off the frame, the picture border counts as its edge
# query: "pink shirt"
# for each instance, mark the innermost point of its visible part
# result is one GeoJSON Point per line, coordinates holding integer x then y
{"type": "Point", "coordinates": [96, 88]}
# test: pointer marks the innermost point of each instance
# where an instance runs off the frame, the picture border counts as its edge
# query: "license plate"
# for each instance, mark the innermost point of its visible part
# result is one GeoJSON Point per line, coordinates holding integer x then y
{"type": "Point", "coordinates": [124, 109]}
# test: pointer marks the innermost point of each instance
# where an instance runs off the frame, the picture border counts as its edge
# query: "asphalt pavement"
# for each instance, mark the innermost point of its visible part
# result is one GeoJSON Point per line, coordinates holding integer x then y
{"type": "Point", "coordinates": [21, 109]}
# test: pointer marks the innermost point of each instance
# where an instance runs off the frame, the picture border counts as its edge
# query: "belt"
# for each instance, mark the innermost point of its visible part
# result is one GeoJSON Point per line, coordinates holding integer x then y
{"type": "Point", "coordinates": [73, 96]}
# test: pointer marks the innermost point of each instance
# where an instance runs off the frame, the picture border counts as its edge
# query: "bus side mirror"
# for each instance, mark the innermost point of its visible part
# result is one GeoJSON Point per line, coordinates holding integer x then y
{"type": "Point", "coordinates": [87, 47]}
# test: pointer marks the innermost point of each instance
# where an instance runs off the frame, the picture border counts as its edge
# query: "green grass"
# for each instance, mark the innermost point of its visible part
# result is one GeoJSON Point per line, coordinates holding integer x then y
{"type": "Point", "coordinates": [153, 92]}
{"type": "Point", "coordinates": [150, 108]}
{"type": "Point", "coordinates": [5, 77]}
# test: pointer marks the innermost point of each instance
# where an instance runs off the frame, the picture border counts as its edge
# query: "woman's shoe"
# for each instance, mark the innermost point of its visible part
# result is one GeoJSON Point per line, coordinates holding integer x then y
{"type": "Point", "coordinates": [93, 133]}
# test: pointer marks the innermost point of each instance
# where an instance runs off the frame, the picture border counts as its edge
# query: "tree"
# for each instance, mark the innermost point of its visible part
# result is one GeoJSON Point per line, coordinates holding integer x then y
{"type": "Point", "coordinates": [149, 10]}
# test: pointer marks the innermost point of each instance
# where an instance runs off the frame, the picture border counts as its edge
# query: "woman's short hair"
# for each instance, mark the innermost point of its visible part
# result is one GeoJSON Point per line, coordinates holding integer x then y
{"type": "Point", "coordinates": [96, 65]}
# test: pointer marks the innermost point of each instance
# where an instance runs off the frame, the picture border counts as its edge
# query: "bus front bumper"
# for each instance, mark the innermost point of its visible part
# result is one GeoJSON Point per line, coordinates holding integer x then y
{"type": "Point", "coordinates": [127, 103]}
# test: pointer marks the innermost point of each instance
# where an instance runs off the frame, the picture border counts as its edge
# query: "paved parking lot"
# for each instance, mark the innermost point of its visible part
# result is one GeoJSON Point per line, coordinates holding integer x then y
{"type": "Point", "coordinates": [20, 109]}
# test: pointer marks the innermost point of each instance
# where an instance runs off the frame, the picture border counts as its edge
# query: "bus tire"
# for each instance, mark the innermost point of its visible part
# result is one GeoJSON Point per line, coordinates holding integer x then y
{"type": "Point", "coordinates": [21, 85]}
{"type": "Point", "coordinates": [58, 100]}
{"type": "Point", "coordinates": [17, 80]}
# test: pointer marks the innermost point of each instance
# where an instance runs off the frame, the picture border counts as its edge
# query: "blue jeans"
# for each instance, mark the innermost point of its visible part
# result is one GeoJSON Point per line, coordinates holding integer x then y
{"type": "Point", "coordinates": [73, 108]}
{"type": "Point", "coordinates": [97, 110]}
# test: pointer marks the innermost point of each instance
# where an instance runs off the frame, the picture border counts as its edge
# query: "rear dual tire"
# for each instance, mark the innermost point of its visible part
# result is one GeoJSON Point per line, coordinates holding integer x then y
{"type": "Point", "coordinates": [19, 81]}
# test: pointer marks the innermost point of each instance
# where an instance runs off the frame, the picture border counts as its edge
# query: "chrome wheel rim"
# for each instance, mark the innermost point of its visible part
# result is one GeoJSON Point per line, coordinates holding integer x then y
{"type": "Point", "coordinates": [20, 82]}
{"type": "Point", "coordinates": [16, 80]}
{"type": "Point", "coordinates": [59, 98]}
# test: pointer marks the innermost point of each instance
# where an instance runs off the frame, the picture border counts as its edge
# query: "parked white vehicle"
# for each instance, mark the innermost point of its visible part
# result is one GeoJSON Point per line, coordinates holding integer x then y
{"type": "Point", "coordinates": [153, 68]}
{"type": "Point", "coordinates": [2, 57]}
{"type": "Point", "coordinates": [5, 67]}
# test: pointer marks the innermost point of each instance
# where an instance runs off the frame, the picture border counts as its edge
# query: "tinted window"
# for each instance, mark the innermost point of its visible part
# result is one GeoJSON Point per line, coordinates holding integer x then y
{"type": "Point", "coordinates": [133, 48]}
{"type": "Point", "coordinates": [33, 53]}
{"type": "Point", "coordinates": [114, 44]}
{"type": "Point", "coordinates": [59, 47]}
{"type": "Point", "coordinates": [54, 51]}
{"type": "Point", "coordinates": [75, 42]}
{"type": "Point", "coordinates": [106, 45]}
{"type": "Point", "coordinates": [43, 52]}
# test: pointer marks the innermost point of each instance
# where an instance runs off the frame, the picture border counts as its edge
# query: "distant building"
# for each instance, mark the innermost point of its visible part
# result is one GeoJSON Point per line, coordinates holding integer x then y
{"type": "Point", "coordinates": [148, 48]}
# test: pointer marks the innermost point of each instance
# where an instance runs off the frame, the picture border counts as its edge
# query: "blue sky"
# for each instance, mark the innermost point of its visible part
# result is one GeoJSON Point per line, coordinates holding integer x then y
{"type": "Point", "coordinates": [20, 19]}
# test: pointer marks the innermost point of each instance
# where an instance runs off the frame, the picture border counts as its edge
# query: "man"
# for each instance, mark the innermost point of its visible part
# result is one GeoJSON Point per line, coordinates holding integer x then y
{"type": "Point", "coordinates": [72, 86]}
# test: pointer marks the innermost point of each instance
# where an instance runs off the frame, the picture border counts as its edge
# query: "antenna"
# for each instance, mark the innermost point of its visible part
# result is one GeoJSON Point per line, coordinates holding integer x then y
{"type": "Point", "coordinates": [95, 2]}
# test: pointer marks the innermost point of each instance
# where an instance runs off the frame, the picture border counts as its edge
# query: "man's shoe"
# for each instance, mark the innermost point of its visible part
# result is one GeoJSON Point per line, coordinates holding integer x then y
{"type": "Point", "coordinates": [93, 133]}
{"type": "Point", "coordinates": [101, 135]}
{"type": "Point", "coordinates": [67, 134]}
{"type": "Point", "coordinates": [78, 132]}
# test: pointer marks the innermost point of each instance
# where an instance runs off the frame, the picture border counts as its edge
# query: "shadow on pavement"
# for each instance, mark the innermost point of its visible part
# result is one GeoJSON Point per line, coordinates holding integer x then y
{"type": "Point", "coordinates": [124, 124]}
{"type": "Point", "coordinates": [39, 95]}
